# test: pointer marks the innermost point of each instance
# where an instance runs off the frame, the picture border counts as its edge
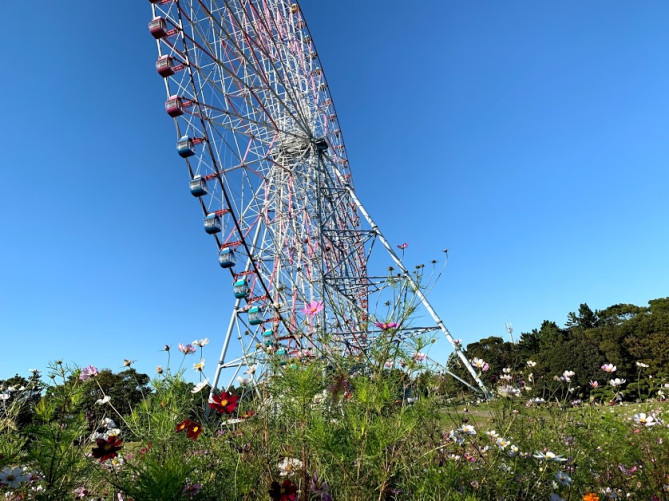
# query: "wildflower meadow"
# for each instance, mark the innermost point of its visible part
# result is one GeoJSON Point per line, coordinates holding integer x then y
{"type": "Point", "coordinates": [338, 428]}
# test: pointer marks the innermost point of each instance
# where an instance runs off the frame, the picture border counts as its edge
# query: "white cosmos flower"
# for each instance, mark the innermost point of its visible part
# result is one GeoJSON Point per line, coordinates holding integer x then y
{"type": "Point", "coordinates": [531, 363]}
{"type": "Point", "coordinates": [4, 396]}
{"type": "Point", "coordinates": [617, 382]}
{"type": "Point", "coordinates": [467, 429]}
{"type": "Point", "coordinates": [562, 478]}
{"type": "Point", "coordinates": [244, 381]}
{"type": "Point", "coordinates": [200, 386]}
{"type": "Point", "coordinates": [108, 422]}
{"type": "Point", "coordinates": [105, 400]}
{"type": "Point", "coordinates": [646, 420]}
{"type": "Point", "coordinates": [478, 363]}
{"type": "Point", "coordinates": [251, 370]}
{"type": "Point", "coordinates": [502, 443]}
{"type": "Point", "coordinates": [641, 364]}
{"type": "Point", "coordinates": [12, 477]}
{"type": "Point", "coordinates": [492, 434]}
{"type": "Point", "coordinates": [506, 370]}
{"type": "Point", "coordinates": [203, 342]}
{"type": "Point", "coordinates": [513, 450]}
{"type": "Point", "coordinates": [289, 466]}
{"type": "Point", "coordinates": [549, 456]}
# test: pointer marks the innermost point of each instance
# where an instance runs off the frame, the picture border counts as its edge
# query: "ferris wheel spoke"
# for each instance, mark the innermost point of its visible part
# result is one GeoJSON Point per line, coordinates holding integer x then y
{"type": "Point", "coordinates": [256, 69]}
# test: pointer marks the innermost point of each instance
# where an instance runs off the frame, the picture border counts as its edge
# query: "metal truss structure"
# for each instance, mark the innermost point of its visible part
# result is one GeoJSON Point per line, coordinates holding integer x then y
{"type": "Point", "coordinates": [259, 132]}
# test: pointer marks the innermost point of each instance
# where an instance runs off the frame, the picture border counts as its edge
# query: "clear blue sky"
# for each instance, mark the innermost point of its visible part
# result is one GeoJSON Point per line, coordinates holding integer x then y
{"type": "Point", "coordinates": [529, 138]}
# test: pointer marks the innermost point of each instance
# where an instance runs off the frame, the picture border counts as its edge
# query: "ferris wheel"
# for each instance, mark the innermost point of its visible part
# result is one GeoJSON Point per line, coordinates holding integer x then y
{"type": "Point", "coordinates": [267, 164]}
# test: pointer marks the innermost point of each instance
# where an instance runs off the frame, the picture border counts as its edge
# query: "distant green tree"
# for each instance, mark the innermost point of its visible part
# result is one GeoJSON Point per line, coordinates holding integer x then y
{"type": "Point", "coordinates": [126, 390]}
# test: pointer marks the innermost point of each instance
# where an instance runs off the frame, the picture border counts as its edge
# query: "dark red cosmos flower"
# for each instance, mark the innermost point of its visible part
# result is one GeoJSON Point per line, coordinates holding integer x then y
{"type": "Point", "coordinates": [247, 414]}
{"type": "Point", "coordinates": [191, 428]}
{"type": "Point", "coordinates": [107, 449]}
{"type": "Point", "coordinates": [183, 425]}
{"type": "Point", "coordinates": [194, 430]}
{"type": "Point", "coordinates": [224, 403]}
{"type": "Point", "coordinates": [287, 491]}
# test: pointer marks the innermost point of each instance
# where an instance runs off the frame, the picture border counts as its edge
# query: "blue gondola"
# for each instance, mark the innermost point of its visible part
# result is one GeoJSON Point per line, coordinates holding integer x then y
{"type": "Point", "coordinates": [255, 316]}
{"type": "Point", "coordinates": [185, 147]}
{"type": "Point", "coordinates": [212, 224]}
{"type": "Point", "coordinates": [281, 351]}
{"type": "Point", "coordinates": [240, 288]}
{"type": "Point", "coordinates": [226, 258]}
{"type": "Point", "coordinates": [198, 186]}
{"type": "Point", "coordinates": [267, 334]}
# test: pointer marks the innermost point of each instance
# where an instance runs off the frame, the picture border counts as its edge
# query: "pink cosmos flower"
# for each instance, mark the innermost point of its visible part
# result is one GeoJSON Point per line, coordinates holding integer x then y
{"type": "Point", "coordinates": [403, 246]}
{"type": "Point", "coordinates": [485, 367]}
{"type": "Point", "coordinates": [594, 384]}
{"type": "Point", "coordinates": [88, 372]}
{"type": "Point", "coordinates": [609, 368]}
{"type": "Point", "coordinates": [312, 308]}
{"type": "Point", "coordinates": [387, 325]}
{"type": "Point", "coordinates": [419, 357]}
{"type": "Point", "coordinates": [186, 348]}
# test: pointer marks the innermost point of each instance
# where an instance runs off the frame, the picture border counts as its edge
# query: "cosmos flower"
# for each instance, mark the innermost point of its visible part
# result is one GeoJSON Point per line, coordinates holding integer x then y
{"type": "Point", "coordinates": [646, 420]}
{"type": "Point", "coordinates": [127, 363]}
{"type": "Point", "coordinates": [513, 451]}
{"type": "Point", "coordinates": [289, 466]}
{"type": "Point", "coordinates": [107, 449]}
{"type": "Point", "coordinates": [312, 308]}
{"type": "Point", "coordinates": [642, 365]}
{"type": "Point", "coordinates": [186, 348]}
{"type": "Point", "coordinates": [105, 400]}
{"type": "Point", "coordinates": [403, 246]}
{"type": "Point", "coordinates": [467, 429]}
{"type": "Point", "coordinates": [502, 443]}
{"type": "Point", "coordinates": [286, 491]}
{"type": "Point", "coordinates": [549, 456]}
{"type": "Point", "coordinates": [203, 342]}
{"type": "Point", "coordinates": [387, 325]}
{"type": "Point", "coordinates": [419, 357]}
{"type": "Point", "coordinates": [609, 368]}
{"type": "Point", "coordinates": [88, 372]}
{"type": "Point", "coordinates": [594, 384]}
{"type": "Point", "coordinates": [244, 380]}
{"type": "Point", "coordinates": [199, 366]}
{"type": "Point", "coordinates": [531, 363]}
{"type": "Point", "coordinates": [617, 382]}
{"type": "Point", "coordinates": [193, 431]}
{"type": "Point", "coordinates": [478, 363]}
{"type": "Point", "coordinates": [492, 434]}
{"type": "Point", "coordinates": [200, 386]}
{"type": "Point", "coordinates": [12, 477]}
{"type": "Point", "coordinates": [590, 496]}
{"type": "Point", "coordinates": [183, 425]}
{"type": "Point", "coordinates": [224, 403]}
{"type": "Point", "coordinates": [562, 478]}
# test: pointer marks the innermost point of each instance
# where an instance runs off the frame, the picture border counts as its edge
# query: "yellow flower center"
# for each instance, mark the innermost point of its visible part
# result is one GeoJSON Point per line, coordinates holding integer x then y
{"type": "Point", "coordinates": [224, 402]}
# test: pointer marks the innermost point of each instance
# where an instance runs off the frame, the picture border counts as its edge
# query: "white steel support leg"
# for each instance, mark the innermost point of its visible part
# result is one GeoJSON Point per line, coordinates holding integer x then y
{"type": "Point", "coordinates": [415, 284]}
